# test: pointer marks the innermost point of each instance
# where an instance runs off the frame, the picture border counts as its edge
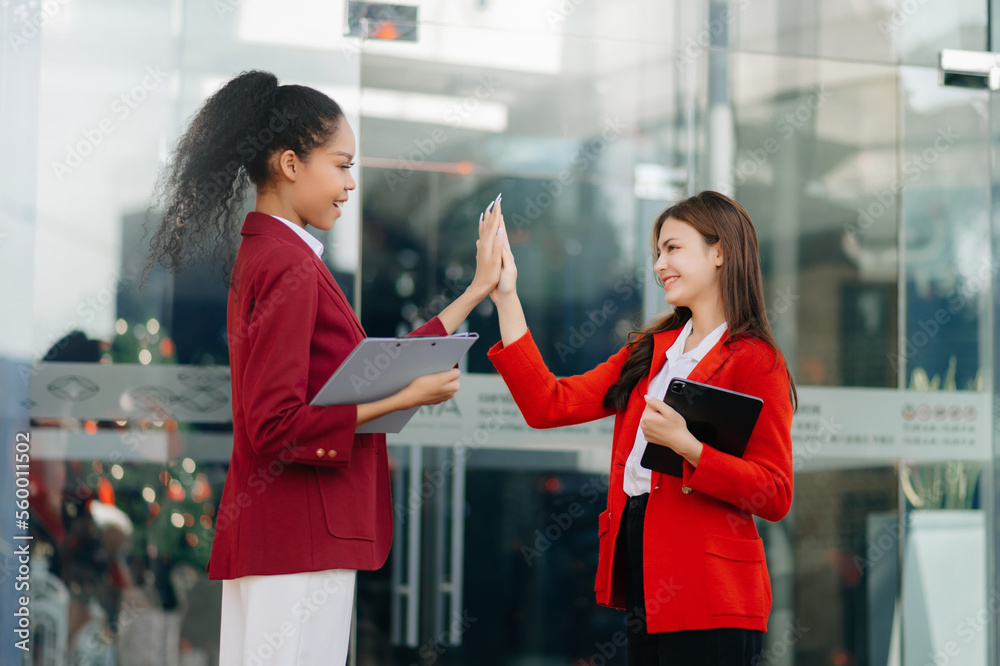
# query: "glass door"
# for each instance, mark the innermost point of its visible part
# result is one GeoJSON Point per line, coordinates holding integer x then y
{"type": "Point", "coordinates": [868, 176]}
{"type": "Point", "coordinates": [495, 550]}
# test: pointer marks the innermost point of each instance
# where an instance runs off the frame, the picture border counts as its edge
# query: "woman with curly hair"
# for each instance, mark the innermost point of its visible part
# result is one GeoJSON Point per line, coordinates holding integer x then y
{"type": "Point", "coordinates": [306, 503]}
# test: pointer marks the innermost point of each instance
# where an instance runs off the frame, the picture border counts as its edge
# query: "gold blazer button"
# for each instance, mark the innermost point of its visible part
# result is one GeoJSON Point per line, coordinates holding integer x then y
{"type": "Point", "coordinates": [685, 490]}
{"type": "Point", "coordinates": [320, 453]}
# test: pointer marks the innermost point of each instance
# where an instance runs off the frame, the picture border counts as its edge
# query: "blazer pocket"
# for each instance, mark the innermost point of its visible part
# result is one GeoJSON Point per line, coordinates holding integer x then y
{"type": "Point", "coordinates": [349, 496]}
{"type": "Point", "coordinates": [736, 574]}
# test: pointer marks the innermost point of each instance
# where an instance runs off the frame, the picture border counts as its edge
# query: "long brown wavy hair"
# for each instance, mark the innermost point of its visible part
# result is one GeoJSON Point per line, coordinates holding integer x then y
{"type": "Point", "coordinates": [718, 219]}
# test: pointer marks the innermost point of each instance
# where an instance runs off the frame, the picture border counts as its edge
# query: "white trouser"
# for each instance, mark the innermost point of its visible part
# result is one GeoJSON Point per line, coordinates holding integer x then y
{"type": "Point", "coordinates": [296, 619]}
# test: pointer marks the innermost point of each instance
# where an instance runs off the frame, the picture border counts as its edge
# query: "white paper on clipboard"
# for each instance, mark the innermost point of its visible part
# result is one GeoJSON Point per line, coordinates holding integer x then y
{"type": "Point", "coordinates": [379, 367]}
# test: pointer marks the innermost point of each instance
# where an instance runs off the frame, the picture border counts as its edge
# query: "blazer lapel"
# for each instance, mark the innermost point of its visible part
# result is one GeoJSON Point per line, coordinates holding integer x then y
{"type": "Point", "coordinates": [339, 296]}
{"type": "Point", "coordinates": [711, 362]}
{"type": "Point", "coordinates": [661, 343]}
{"type": "Point", "coordinates": [703, 372]}
{"type": "Point", "coordinates": [257, 223]}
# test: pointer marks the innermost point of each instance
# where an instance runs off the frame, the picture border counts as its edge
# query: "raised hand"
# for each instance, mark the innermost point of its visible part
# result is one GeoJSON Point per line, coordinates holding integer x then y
{"type": "Point", "coordinates": [489, 250]}
{"type": "Point", "coordinates": [489, 263]}
{"type": "Point", "coordinates": [504, 295]}
{"type": "Point", "coordinates": [507, 284]}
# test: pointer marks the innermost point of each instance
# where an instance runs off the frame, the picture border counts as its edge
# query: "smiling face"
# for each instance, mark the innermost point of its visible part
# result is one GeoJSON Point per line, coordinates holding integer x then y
{"type": "Point", "coordinates": [688, 267]}
{"type": "Point", "coordinates": [318, 186]}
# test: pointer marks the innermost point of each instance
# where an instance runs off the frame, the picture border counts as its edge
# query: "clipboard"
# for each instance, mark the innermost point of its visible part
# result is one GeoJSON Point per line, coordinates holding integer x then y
{"type": "Point", "coordinates": [379, 367]}
{"type": "Point", "coordinates": [721, 418]}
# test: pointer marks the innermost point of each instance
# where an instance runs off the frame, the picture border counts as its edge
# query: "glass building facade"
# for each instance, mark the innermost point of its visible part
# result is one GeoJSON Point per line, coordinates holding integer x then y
{"type": "Point", "coordinates": [868, 167]}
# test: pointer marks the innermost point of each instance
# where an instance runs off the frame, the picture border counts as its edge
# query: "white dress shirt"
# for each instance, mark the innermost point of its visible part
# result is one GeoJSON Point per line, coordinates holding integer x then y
{"type": "Point", "coordinates": [304, 235]}
{"type": "Point", "coordinates": [679, 364]}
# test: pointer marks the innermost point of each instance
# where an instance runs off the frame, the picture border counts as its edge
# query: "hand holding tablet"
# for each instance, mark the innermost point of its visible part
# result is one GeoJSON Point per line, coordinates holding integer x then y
{"type": "Point", "coordinates": [718, 417]}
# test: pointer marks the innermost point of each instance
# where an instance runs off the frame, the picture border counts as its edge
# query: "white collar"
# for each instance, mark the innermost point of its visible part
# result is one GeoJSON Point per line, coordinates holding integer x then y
{"type": "Point", "coordinates": [311, 240]}
{"type": "Point", "coordinates": [676, 350]}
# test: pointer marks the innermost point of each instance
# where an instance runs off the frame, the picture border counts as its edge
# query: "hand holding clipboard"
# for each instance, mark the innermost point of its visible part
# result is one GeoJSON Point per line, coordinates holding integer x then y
{"type": "Point", "coordinates": [718, 417]}
{"type": "Point", "coordinates": [380, 367]}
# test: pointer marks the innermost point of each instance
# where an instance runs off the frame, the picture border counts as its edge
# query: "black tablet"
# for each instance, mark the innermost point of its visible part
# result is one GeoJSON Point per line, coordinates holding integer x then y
{"type": "Point", "coordinates": [721, 418]}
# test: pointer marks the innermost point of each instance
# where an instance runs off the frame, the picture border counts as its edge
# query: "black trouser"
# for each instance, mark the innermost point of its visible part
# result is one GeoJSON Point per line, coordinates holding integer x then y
{"type": "Point", "coordinates": [698, 647]}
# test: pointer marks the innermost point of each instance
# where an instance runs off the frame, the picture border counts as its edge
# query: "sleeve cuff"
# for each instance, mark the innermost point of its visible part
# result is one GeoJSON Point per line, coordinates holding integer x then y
{"type": "Point", "coordinates": [499, 351]}
{"type": "Point", "coordinates": [324, 457]}
{"type": "Point", "coordinates": [433, 327]}
{"type": "Point", "coordinates": [692, 475]}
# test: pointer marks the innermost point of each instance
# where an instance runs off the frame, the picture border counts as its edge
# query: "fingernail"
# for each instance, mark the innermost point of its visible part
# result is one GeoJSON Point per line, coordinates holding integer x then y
{"type": "Point", "coordinates": [500, 196]}
{"type": "Point", "coordinates": [490, 207]}
{"type": "Point", "coordinates": [500, 232]}
{"type": "Point", "coordinates": [480, 218]}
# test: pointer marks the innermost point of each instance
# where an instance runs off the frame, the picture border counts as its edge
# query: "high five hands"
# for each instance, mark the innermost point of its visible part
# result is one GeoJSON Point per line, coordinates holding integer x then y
{"type": "Point", "coordinates": [495, 275]}
{"type": "Point", "coordinates": [495, 266]}
{"type": "Point", "coordinates": [489, 250]}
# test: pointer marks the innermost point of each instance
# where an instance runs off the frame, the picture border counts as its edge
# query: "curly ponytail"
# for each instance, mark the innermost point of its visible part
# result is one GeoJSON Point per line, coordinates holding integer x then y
{"type": "Point", "coordinates": [227, 146]}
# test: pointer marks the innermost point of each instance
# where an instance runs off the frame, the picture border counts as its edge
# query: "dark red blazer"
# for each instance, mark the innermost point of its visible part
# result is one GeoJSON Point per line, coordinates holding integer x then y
{"type": "Point", "coordinates": [703, 562]}
{"type": "Point", "coordinates": [303, 491]}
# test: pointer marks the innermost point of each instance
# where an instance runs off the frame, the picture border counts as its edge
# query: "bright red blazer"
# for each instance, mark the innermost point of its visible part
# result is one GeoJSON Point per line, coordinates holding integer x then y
{"type": "Point", "coordinates": [303, 491]}
{"type": "Point", "coordinates": [703, 562]}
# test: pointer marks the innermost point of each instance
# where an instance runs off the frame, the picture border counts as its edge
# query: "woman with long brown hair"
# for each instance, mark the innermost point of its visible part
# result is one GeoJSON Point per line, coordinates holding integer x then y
{"type": "Point", "coordinates": [681, 554]}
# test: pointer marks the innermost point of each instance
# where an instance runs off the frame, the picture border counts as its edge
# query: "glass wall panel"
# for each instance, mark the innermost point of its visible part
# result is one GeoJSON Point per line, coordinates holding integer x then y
{"type": "Point", "coordinates": [896, 31]}
{"type": "Point", "coordinates": [123, 512]}
{"type": "Point", "coordinates": [944, 186]}
{"type": "Point", "coordinates": [560, 147]}
{"type": "Point", "coordinates": [871, 187]}
{"type": "Point", "coordinates": [815, 146]}
{"type": "Point", "coordinates": [948, 343]}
